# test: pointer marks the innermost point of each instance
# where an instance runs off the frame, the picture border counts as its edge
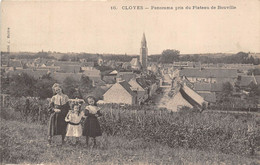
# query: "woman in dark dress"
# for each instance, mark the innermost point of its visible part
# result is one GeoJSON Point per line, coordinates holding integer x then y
{"type": "Point", "coordinates": [91, 127]}
{"type": "Point", "coordinates": [59, 107]}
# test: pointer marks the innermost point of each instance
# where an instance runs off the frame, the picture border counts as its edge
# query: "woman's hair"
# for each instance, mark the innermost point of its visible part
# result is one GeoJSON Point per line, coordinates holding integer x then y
{"type": "Point", "coordinates": [56, 85]}
{"type": "Point", "coordinates": [92, 97]}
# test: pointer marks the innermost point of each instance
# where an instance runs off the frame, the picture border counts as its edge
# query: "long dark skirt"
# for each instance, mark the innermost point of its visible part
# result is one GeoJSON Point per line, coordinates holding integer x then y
{"type": "Point", "coordinates": [57, 124]}
{"type": "Point", "coordinates": [91, 127]}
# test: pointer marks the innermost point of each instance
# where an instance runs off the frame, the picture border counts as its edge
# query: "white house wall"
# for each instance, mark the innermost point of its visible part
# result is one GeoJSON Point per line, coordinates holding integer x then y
{"type": "Point", "coordinates": [177, 101]}
{"type": "Point", "coordinates": [117, 94]}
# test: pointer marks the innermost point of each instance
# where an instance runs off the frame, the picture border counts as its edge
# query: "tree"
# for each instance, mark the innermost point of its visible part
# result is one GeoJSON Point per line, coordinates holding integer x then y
{"type": "Point", "coordinates": [85, 85]}
{"type": "Point", "coordinates": [5, 82]}
{"type": "Point", "coordinates": [240, 57]}
{"type": "Point", "coordinates": [44, 87]}
{"type": "Point", "coordinates": [41, 55]}
{"type": "Point", "coordinates": [22, 85]}
{"type": "Point", "coordinates": [70, 87]}
{"type": "Point", "coordinates": [64, 58]}
{"type": "Point", "coordinates": [224, 96]}
{"type": "Point", "coordinates": [169, 55]}
{"type": "Point", "coordinates": [227, 88]}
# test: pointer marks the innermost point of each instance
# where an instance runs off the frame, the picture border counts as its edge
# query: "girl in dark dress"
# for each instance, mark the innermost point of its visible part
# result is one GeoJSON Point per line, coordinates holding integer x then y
{"type": "Point", "coordinates": [91, 127]}
{"type": "Point", "coordinates": [59, 107]}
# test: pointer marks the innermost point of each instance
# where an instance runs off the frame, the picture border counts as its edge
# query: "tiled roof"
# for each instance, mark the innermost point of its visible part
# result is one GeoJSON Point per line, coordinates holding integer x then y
{"type": "Point", "coordinates": [208, 96]}
{"type": "Point", "coordinates": [60, 63]}
{"type": "Point", "coordinates": [92, 73]}
{"type": "Point", "coordinates": [246, 80]}
{"type": "Point", "coordinates": [127, 87]}
{"type": "Point", "coordinates": [209, 73]}
{"type": "Point", "coordinates": [34, 73]}
{"type": "Point", "coordinates": [98, 92]}
{"type": "Point", "coordinates": [15, 63]}
{"type": "Point", "coordinates": [60, 77]}
{"type": "Point", "coordinates": [142, 82]}
{"type": "Point", "coordinates": [212, 87]}
{"type": "Point", "coordinates": [70, 68]}
{"type": "Point", "coordinates": [127, 76]}
{"type": "Point", "coordinates": [87, 64]}
{"type": "Point", "coordinates": [191, 96]}
{"type": "Point", "coordinates": [97, 80]}
{"type": "Point", "coordinates": [109, 79]}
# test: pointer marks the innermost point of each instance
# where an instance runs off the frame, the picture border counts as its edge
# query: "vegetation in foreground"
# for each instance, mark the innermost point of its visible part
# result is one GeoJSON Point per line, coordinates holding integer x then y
{"type": "Point", "coordinates": [226, 133]}
{"type": "Point", "coordinates": [26, 143]}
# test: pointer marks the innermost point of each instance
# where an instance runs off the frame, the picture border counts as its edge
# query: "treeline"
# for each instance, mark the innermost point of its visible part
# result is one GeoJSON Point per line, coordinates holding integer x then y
{"type": "Point", "coordinates": [169, 56]}
{"type": "Point", "coordinates": [28, 55]}
{"type": "Point", "coordinates": [94, 57]}
{"type": "Point", "coordinates": [90, 57]}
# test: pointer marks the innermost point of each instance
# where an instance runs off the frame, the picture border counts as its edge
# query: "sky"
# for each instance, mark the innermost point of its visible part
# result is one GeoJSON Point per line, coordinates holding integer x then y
{"type": "Point", "coordinates": [93, 27]}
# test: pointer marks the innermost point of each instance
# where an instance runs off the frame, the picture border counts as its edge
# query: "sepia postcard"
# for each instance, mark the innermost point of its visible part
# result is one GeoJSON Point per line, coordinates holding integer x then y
{"type": "Point", "coordinates": [130, 82]}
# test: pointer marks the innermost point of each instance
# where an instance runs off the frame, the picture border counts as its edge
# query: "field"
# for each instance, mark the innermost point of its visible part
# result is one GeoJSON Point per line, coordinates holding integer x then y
{"type": "Point", "coordinates": [135, 135]}
{"type": "Point", "coordinates": [26, 143]}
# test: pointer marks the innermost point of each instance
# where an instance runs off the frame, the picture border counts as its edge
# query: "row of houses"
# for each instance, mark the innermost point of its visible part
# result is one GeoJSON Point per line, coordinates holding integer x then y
{"type": "Point", "coordinates": [134, 89]}
{"type": "Point", "coordinates": [134, 92]}
{"type": "Point", "coordinates": [208, 82]}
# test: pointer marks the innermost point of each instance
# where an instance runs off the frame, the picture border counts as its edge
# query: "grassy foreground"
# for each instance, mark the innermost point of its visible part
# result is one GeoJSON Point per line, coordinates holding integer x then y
{"type": "Point", "coordinates": [26, 143]}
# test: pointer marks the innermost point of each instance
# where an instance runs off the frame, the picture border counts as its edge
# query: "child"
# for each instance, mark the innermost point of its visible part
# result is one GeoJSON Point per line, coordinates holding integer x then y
{"type": "Point", "coordinates": [91, 126]}
{"type": "Point", "coordinates": [73, 119]}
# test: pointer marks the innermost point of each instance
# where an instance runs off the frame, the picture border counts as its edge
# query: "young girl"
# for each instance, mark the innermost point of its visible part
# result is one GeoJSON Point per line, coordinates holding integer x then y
{"type": "Point", "coordinates": [73, 119]}
{"type": "Point", "coordinates": [91, 127]}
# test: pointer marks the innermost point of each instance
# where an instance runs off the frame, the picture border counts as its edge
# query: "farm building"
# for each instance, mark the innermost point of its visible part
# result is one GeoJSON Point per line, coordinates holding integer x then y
{"type": "Point", "coordinates": [185, 96]}
{"type": "Point", "coordinates": [120, 92]}
{"type": "Point", "coordinates": [209, 75]}
{"type": "Point", "coordinates": [139, 85]}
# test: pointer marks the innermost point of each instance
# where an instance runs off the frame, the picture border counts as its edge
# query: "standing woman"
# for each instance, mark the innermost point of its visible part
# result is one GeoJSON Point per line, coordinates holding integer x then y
{"type": "Point", "coordinates": [59, 107]}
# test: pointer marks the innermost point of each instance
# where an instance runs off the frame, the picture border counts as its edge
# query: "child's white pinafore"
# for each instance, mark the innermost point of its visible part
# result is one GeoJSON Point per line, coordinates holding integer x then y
{"type": "Point", "coordinates": [74, 127]}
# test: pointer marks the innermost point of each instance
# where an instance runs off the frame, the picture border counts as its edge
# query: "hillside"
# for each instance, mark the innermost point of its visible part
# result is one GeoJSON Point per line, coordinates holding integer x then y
{"type": "Point", "coordinates": [26, 143]}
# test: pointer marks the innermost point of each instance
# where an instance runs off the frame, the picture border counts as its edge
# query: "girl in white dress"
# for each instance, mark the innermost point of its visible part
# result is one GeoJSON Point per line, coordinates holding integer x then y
{"type": "Point", "coordinates": [74, 117]}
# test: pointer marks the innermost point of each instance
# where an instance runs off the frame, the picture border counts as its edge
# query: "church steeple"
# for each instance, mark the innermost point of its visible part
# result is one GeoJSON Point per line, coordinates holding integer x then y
{"type": "Point", "coordinates": [143, 52]}
{"type": "Point", "coordinates": [143, 43]}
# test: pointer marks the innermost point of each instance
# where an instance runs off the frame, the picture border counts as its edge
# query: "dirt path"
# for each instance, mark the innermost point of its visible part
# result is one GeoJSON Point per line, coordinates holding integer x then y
{"type": "Point", "coordinates": [162, 99]}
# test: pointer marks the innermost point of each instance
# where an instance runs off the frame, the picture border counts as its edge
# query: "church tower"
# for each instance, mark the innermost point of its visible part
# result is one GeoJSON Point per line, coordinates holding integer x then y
{"type": "Point", "coordinates": [143, 53]}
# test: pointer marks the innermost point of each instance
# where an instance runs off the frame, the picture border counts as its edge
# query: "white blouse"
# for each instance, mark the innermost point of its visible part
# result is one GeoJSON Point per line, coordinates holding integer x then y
{"type": "Point", "coordinates": [60, 99]}
{"type": "Point", "coordinates": [92, 109]}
